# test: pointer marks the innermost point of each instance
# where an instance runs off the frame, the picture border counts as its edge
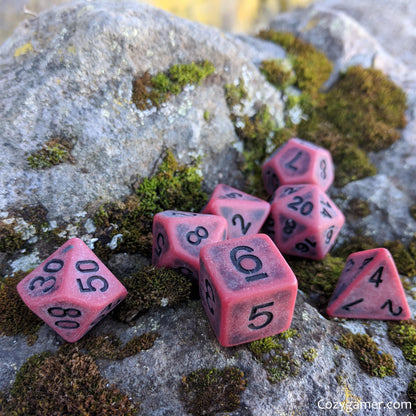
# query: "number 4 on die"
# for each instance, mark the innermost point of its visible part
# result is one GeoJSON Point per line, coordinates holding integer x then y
{"type": "Point", "coordinates": [369, 288]}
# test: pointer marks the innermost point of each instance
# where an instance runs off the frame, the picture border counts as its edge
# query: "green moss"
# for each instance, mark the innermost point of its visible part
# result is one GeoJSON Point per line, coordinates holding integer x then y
{"type": "Point", "coordinates": [152, 287]}
{"type": "Point", "coordinates": [235, 94]}
{"type": "Point", "coordinates": [371, 359]}
{"type": "Point", "coordinates": [109, 346]}
{"type": "Point", "coordinates": [64, 383]}
{"type": "Point", "coordinates": [412, 211]}
{"type": "Point", "coordinates": [278, 72]}
{"type": "Point", "coordinates": [174, 186]}
{"type": "Point", "coordinates": [310, 354]}
{"type": "Point", "coordinates": [403, 334]}
{"type": "Point", "coordinates": [270, 352]}
{"type": "Point", "coordinates": [210, 391]}
{"type": "Point", "coordinates": [15, 317]}
{"type": "Point", "coordinates": [411, 392]}
{"type": "Point", "coordinates": [357, 208]}
{"type": "Point", "coordinates": [10, 240]}
{"type": "Point", "coordinates": [207, 115]}
{"type": "Point", "coordinates": [151, 91]}
{"type": "Point", "coordinates": [53, 152]}
{"type": "Point", "coordinates": [311, 66]}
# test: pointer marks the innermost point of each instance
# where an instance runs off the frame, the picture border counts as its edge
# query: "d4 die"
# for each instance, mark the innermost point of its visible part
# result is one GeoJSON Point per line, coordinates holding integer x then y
{"type": "Point", "coordinates": [305, 221]}
{"type": "Point", "coordinates": [247, 289]}
{"type": "Point", "coordinates": [179, 236]}
{"type": "Point", "coordinates": [369, 288]}
{"type": "Point", "coordinates": [71, 290]}
{"type": "Point", "coordinates": [298, 161]}
{"type": "Point", "coordinates": [245, 214]}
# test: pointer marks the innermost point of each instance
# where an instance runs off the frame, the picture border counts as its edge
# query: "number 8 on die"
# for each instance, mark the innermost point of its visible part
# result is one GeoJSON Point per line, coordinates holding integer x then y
{"type": "Point", "coordinates": [247, 289]}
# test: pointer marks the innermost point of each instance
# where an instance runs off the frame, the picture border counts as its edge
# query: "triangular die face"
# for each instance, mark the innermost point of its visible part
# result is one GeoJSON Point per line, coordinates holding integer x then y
{"type": "Point", "coordinates": [229, 193]}
{"type": "Point", "coordinates": [369, 288]}
{"type": "Point", "coordinates": [303, 203]}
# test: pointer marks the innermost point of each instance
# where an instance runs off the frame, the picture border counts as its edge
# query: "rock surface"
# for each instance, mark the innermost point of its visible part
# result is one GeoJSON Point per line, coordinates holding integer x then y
{"type": "Point", "coordinates": [69, 73]}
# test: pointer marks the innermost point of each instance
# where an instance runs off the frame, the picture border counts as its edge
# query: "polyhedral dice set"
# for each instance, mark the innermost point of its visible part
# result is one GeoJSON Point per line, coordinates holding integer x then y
{"type": "Point", "coordinates": [246, 286]}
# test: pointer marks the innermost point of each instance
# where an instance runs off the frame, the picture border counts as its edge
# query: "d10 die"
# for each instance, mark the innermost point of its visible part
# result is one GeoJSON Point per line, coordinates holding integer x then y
{"type": "Point", "coordinates": [296, 162]}
{"type": "Point", "coordinates": [71, 290]}
{"type": "Point", "coordinates": [306, 221]}
{"type": "Point", "coordinates": [245, 214]}
{"type": "Point", "coordinates": [247, 289]}
{"type": "Point", "coordinates": [369, 288]}
{"type": "Point", "coordinates": [179, 236]}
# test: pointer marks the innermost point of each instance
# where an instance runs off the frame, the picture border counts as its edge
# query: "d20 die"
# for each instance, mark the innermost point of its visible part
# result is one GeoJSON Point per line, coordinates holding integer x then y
{"type": "Point", "coordinates": [369, 288]}
{"type": "Point", "coordinates": [71, 290]}
{"type": "Point", "coordinates": [306, 221]}
{"type": "Point", "coordinates": [296, 162]}
{"type": "Point", "coordinates": [179, 236]}
{"type": "Point", "coordinates": [245, 214]}
{"type": "Point", "coordinates": [247, 289]}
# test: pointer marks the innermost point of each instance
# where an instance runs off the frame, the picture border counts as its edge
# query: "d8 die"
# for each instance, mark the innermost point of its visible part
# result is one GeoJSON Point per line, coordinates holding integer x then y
{"type": "Point", "coordinates": [179, 236]}
{"type": "Point", "coordinates": [369, 288]}
{"type": "Point", "coordinates": [245, 214]}
{"type": "Point", "coordinates": [296, 162]}
{"type": "Point", "coordinates": [247, 289]}
{"type": "Point", "coordinates": [306, 221]}
{"type": "Point", "coordinates": [71, 290]}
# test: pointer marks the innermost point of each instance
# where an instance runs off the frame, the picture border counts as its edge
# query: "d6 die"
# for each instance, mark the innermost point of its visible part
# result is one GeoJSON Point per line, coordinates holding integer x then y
{"type": "Point", "coordinates": [179, 236]}
{"type": "Point", "coordinates": [247, 289]}
{"type": "Point", "coordinates": [245, 214]}
{"type": "Point", "coordinates": [369, 288]}
{"type": "Point", "coordinates": [306, 221]}
{"type": "Point", "coordinates": [298, 161]}
{"type": "Point", "coordinates": [71, 290]}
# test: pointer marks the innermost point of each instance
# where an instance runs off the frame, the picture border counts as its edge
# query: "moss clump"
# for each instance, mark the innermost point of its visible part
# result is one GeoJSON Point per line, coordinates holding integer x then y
{"type": "Point", "coordinates": [152, 287]}
{"type": "Point", "coordinates": [151, 91]}
{"type": "Point", "coordinates": [109, 346]}
{"type": "Point", "coordinates": [210, 391]}
{"type": "Point", "coordinates": [15, 317]}
{"type": "Point", "coordinates": [278, 72]}
{"type": "Point", "coordinates": [371, 359]}
{"type": "Point", "coordinates": [311, 66]}
{"type": "Point", "coordinates": [358, 208]}
{"type": "Point", "coordinates": [174, 186]}
{"type": "Point", "coordinates": [278, 363]}
{"type": "Point", "coordinates": [235, 94]}
{"type": "Point", "coordinates": [53, 152]}
{"type": "Point", "coordinates": [310, 354]}
{"type": "Point", "coordinates": [318, 278]}
{"type": "Point", "coordinates": [10, 240]}
{"type": "Point", "coordinates": [411, 392]}
{"type": "Point", "coordinates": [403, 334]}
{"type": "Point", "coordinates": [66, 384]}
{"type": "Point", "coordinates": [412, 211]}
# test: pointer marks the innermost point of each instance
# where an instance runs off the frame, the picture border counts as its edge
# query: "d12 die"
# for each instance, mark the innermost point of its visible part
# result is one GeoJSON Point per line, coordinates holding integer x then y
{"type": "Point", "coordinates": [296, 162]}
{"type": "Point", "coordinates": [247, 289]}
{"type": "Point", "coordinates": [71, 290]}
{"type": "Point", "coordinates": [245, 214]}
{"type": "Point", "coordinates": [369, 288]}
{"type": "Point", "coordinates": [179, 236]}
{"type": "Point", "coordinates": [306, 221]}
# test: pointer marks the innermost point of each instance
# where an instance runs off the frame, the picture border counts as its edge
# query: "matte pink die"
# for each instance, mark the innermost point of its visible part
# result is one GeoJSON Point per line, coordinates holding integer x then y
{"type": "Point", "coordinates": [298, 161]}
{"type": "Point", "coordinates": [72, 290]}
{"type": "Point", "coordinates": [245, 214]}
{"type": "Point", "coordinates": [247, 289]}
{"type": "Point", "coordinates": [369, 288]}
{"type": "Point", "coordinates": [179, 236]}
{"type": "Point", "coordinates": [306, 221]}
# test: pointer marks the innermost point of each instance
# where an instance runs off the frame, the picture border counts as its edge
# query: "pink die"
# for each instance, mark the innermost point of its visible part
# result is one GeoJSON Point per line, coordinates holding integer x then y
{"type": "Point", "coordinates": [369, 288]}
{"type": "Point", "coordinates": [306, 221]}
{"type": "Point", "coordinates": [179, 236]}
{"type": "Point", "coordinates": [298, 161]}
{"type": "Point", "coordinates": [245, 214]}
{"type": "Point", "coordinates": [247, 289]}
{"type": "Point", "coordinates": [71, 290]}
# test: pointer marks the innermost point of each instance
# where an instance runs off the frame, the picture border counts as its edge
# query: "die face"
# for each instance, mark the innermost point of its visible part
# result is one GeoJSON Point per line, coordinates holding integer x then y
{"type": "Point", "coordinates": [298, 161]}
{"type": "Point", "coordinates": [255, 286]}
{"type": "Point", "coordinates": [245, 214]}
{"type": "Point", "coordinates": [179, 236]}
{"type": "Point", "coordinates": [369, 288]}
{"type": "Point", "coordinates": [70, 289]}
{"type": "Point", "coordinates": [306, 221]}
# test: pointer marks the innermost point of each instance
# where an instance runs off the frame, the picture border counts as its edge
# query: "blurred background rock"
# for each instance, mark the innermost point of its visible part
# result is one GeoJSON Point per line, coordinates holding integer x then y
{"type": "Point", "coordinates": [231, 15]}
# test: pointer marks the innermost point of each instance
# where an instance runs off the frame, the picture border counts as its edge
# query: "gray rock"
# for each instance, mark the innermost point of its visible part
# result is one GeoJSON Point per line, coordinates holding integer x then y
{"type": "Point", "coordinates": [69, 73]}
